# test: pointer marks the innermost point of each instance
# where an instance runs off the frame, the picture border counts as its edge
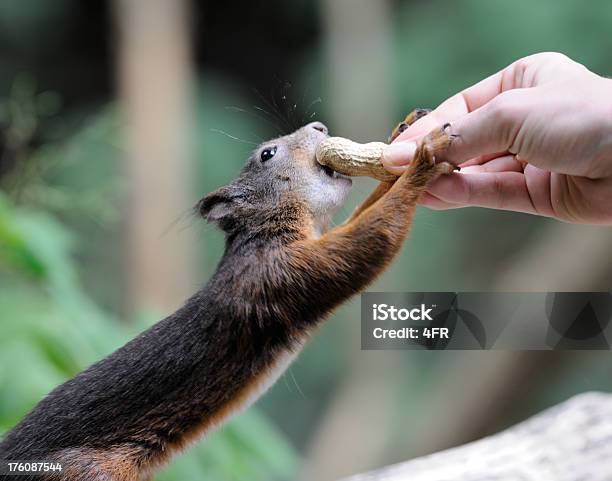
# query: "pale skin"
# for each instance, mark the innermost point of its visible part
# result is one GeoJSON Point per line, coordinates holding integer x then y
{"type": "Point", "coordinates": [535, 137]}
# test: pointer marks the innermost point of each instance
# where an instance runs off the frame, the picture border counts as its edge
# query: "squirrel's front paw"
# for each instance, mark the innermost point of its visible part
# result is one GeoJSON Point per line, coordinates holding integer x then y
{"type": "Point", "coordinates": [433, 147]}
{"type": "Point", "coordinates": [446, 168]}
{"type": "Point", "coordinates": [410, 119]}
{"type": "Point", "coordinates": [429, 157]}
{"type": "Point", "coordinates": [435, 143]}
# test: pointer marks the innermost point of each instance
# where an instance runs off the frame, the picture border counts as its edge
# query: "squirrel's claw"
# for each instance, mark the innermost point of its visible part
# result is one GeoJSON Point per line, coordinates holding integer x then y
{"type": "Point", "coordinates": [410, 119]}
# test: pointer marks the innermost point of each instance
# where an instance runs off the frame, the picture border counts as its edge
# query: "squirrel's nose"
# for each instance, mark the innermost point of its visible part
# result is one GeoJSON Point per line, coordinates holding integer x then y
{"type": "Point", "coordinates": [318, 126]}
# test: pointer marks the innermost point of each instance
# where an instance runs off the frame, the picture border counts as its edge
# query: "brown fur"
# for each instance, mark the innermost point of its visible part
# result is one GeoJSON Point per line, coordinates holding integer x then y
{"type": "Point", "coordinates": [234, 405]}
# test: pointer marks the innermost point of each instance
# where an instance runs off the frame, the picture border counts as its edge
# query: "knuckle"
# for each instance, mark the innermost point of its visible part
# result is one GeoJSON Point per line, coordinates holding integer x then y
{"type": "Point", "coordinates": [557, 56]}
{"type": "Point", "coordinates": [550, 56]}
{"type": "Point", "coordinates": [522, 64]}
{"type": "Point", "coordinates": [508, 108]}
{"type": "Point", "coordinates": [468, 192]}
{"type": "Point", "coordinates": [498, 191]}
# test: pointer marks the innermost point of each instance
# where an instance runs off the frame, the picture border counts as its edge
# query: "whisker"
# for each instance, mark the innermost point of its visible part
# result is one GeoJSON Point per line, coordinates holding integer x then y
{"type": "Point", "coordinates": [287, 385]}
{"type": "Point", "coordinates": [236, 109]}
{"type": "Point", "coordinates": [186, 216]}
{"type": "Point", "coordinates": [296, 383]}
{"type": "Point", "coordinates": [272, 105]}
{"type": "Point", "coordinates": [233, 137]}
{"type": "Point", "coordinates": [290, 106]}
{"type": "Point", "coordinates": [303, 102]}
{"type": "Point", "coordinates": [265, 118]}
{"type": "Point", "coordinates": [258, 137]}
{"type": "Point", "coordinates": [318, 100]}
{"type": "Point", "coordinates": [285, 109]}
{"type": "Point", "coordinates": [274, 124]}
{"type": "Point", "coordinates": [282, 115]}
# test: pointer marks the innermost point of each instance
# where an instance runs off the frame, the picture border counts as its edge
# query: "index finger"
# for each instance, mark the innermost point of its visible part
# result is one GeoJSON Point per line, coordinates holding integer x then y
{"type": "Point", "coordinates": [461, 104]}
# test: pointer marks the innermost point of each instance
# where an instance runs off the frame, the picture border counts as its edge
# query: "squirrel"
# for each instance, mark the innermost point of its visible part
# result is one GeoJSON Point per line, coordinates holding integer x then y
{"type": "Point", "coordinates": [281, 273]}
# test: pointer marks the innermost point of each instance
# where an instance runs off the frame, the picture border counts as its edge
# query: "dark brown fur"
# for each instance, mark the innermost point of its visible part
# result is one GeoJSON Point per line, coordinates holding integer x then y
{"type": "Point", "coordinates": [129, 413]}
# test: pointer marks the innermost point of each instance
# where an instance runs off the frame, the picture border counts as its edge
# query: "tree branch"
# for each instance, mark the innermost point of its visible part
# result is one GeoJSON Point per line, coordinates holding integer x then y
{"type": "Point", "coordinates": [569, 442]}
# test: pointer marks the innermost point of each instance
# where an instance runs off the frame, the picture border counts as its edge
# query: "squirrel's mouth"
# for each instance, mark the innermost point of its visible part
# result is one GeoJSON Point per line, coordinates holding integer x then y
{"type": "Point", "coordinates": [331, 173]}
{"type": "Point", "coordinates": [328, 171]}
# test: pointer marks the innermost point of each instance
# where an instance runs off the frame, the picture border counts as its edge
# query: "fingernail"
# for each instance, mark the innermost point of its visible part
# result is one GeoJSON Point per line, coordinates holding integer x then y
{"type": "Point", "coordinates": [398, 154]}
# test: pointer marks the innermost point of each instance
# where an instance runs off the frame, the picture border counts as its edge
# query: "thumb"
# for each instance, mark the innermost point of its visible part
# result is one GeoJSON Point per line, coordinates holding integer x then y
{"type": "Point", "coordinates": [491, 128]}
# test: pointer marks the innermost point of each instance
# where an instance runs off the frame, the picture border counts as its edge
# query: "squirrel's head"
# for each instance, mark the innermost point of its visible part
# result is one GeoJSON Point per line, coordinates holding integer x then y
{"type": "Point", "coordinates": [281, 183]}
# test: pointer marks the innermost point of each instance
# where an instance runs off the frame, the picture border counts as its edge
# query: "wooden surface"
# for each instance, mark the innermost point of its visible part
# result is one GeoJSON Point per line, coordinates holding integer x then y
{"type": "Point", "coordinates": [569, 442]}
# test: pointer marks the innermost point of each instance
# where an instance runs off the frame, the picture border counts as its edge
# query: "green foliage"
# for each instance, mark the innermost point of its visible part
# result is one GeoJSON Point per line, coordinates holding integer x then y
{"type": "Point", "coordinates": [15, 252]}
{"type": "Point", "coordinates": [42, 309]}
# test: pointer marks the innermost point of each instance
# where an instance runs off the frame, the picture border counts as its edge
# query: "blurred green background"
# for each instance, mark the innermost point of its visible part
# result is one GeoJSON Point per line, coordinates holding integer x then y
{"type": "Point", "coordinates": [116, 116]}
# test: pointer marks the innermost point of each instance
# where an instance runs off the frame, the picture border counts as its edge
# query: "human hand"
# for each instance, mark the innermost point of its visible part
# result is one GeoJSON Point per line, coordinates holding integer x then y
{"type": "Point", "coordinates": [535, 137]}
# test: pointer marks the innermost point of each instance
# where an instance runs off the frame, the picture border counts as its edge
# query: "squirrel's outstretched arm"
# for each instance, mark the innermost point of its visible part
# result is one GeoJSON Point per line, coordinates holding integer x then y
{"type": "Point", "coordinates": [349, 257]}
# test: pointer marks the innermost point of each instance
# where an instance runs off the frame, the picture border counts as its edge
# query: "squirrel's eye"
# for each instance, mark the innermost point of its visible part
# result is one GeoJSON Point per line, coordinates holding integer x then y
{"type": "Point", "coordinates": [268, 153]}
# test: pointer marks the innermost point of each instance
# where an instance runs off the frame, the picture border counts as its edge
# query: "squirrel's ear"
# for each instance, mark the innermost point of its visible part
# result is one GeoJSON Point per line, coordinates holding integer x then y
{"type": "Point", "coordinates": [216, 205]}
